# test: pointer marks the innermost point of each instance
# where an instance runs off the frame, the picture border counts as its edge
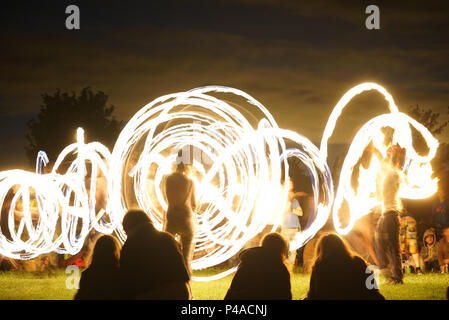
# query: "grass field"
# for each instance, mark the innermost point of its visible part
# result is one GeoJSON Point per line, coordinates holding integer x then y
{"type": "Point", "coordinates": [18, 286]}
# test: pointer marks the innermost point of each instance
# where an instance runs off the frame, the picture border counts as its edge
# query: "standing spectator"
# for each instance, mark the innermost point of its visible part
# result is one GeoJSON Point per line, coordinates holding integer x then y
{"type": "Point", "coordinates": [290, 222]}
{"type": "Point", "coordinates": [429, 251]}
{"type": "Point", "coordinates": [408, 235]}
{"type": "Point", "coordinates": [337, 274]}
{"type": "Point", "coordinates": [151, 263]}
{"type": "Point", "coordinates": [440, 211]}
{"type": "Point", "coordinates": [443, 250]}
{"type": "Point", "coordinates": [180, 217]}
{"type": "Point", "coordinates": [262, 273]}
{"type": "Point", "coordinates": [100, 281]}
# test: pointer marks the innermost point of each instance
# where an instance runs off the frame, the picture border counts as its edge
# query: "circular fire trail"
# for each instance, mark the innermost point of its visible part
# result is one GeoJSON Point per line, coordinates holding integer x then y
{"type": "Point", "coordinates": [238, 157]}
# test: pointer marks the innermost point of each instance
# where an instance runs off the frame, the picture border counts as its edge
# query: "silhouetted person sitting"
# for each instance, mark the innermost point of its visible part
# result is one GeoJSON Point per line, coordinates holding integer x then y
{"type": "Point", "coordinates": [180, 192]}
{"type": "Point", "coordinates": [262, 273]}
{"type": "Point", "coordinates": [337, 274]}
{"type": "Point", "coordinates": [100, 281]}
{"type": "Point", "coordinates": [151, 262]}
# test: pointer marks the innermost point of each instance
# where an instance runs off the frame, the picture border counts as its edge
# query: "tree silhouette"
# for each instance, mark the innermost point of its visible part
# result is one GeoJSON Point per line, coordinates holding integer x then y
{"type": "Point", "coordinates": [431, 120]}
{"type": "Point", "coordinates": [428, 118]}
{"type": "Point", "coordinates": [62, 113]}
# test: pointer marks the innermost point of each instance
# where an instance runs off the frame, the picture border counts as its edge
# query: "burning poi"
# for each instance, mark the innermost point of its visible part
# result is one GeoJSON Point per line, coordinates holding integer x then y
{"type": "Point", "coordinates": [239, 160]}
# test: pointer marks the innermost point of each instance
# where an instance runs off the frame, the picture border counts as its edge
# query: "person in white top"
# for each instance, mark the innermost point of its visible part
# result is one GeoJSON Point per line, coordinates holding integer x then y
{"type": "Point", "coordinates": [291, 225]}
{"type": "Point", "coordinates": [389, 181]}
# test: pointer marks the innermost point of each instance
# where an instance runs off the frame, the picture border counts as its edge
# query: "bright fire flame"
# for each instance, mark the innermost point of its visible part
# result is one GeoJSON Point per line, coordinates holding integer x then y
{"type": "Point", "coordinates": [237, 167]}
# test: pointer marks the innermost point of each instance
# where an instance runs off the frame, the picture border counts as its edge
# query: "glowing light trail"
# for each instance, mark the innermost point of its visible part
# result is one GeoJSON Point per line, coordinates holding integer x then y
{"type": "Point", "coordinates": [239, 160]}
{"type": "Point", "coordinates": [418, 172]}
{"type": "Point", "coordinates": [52, 212]}
{"type": "Point", "coordinates": [238, 176]}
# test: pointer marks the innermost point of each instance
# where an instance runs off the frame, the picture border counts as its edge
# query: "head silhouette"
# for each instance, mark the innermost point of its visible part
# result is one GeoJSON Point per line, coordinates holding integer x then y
{"type": "Point", "coordinates": [134, 219]}
{"type": "Point", "coordinates": [331, 247]}
{"type": "Point", "coordinates": [276, 243]}
{"type": "Point", "coordinates": [106, 252]}
{"type": "Point", "coordinates": [181, 165]}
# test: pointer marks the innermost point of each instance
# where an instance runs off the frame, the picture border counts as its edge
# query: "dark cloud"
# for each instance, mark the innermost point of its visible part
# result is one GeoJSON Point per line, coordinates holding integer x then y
{"type": "Point", "coordinates": [298, 59]}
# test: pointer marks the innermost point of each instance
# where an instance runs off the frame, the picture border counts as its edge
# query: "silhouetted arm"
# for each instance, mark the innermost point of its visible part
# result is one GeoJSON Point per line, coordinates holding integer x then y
{"type": "Point", "coordinates": [375, 151]}
{"type": "Point", "coordinates": [312, 294]}
{"type": "Point", "coordinates": [126, 283]}
{"type": "Point", "coordinates": [285, 287]}
{"type": "Point", "coordinates": [239, 284]}
{"type": "Point", "coordinates": [82, 293]}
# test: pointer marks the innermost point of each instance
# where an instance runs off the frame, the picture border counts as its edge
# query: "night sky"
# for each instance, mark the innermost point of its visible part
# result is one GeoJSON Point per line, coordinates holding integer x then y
{"type": "Point", "coordinates": [297, 59]}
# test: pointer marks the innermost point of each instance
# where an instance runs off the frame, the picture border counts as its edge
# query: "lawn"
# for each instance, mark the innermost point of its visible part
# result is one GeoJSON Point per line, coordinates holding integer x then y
{"type": "Point", "coordinates": [18, 285]}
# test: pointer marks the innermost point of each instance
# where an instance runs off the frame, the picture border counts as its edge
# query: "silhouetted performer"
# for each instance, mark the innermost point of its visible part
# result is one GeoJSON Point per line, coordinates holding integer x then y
{"type": "Point", "coordinates": [262, 273]}
{"type": "Point", "coordinates": [100, 281]}
{"type": "Point", "coordinates": [387, 244]}
{"type": "Point", "coordinates": [180, 192]}
{"type": "Point", "coordinates": [151, 262]}
{"type": "Point", "coordinates": [337, 274]}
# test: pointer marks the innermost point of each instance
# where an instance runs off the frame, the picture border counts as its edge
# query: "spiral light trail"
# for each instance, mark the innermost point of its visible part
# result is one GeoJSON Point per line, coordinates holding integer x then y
{"type": "Point", "coordinates": [237, 170]}
{"type": "Point", "coordinates": [238, 158]}
{"type": "Point", "coordinates": [52, 212]}
{"type": "Point", "coordinates": [417, 169]}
